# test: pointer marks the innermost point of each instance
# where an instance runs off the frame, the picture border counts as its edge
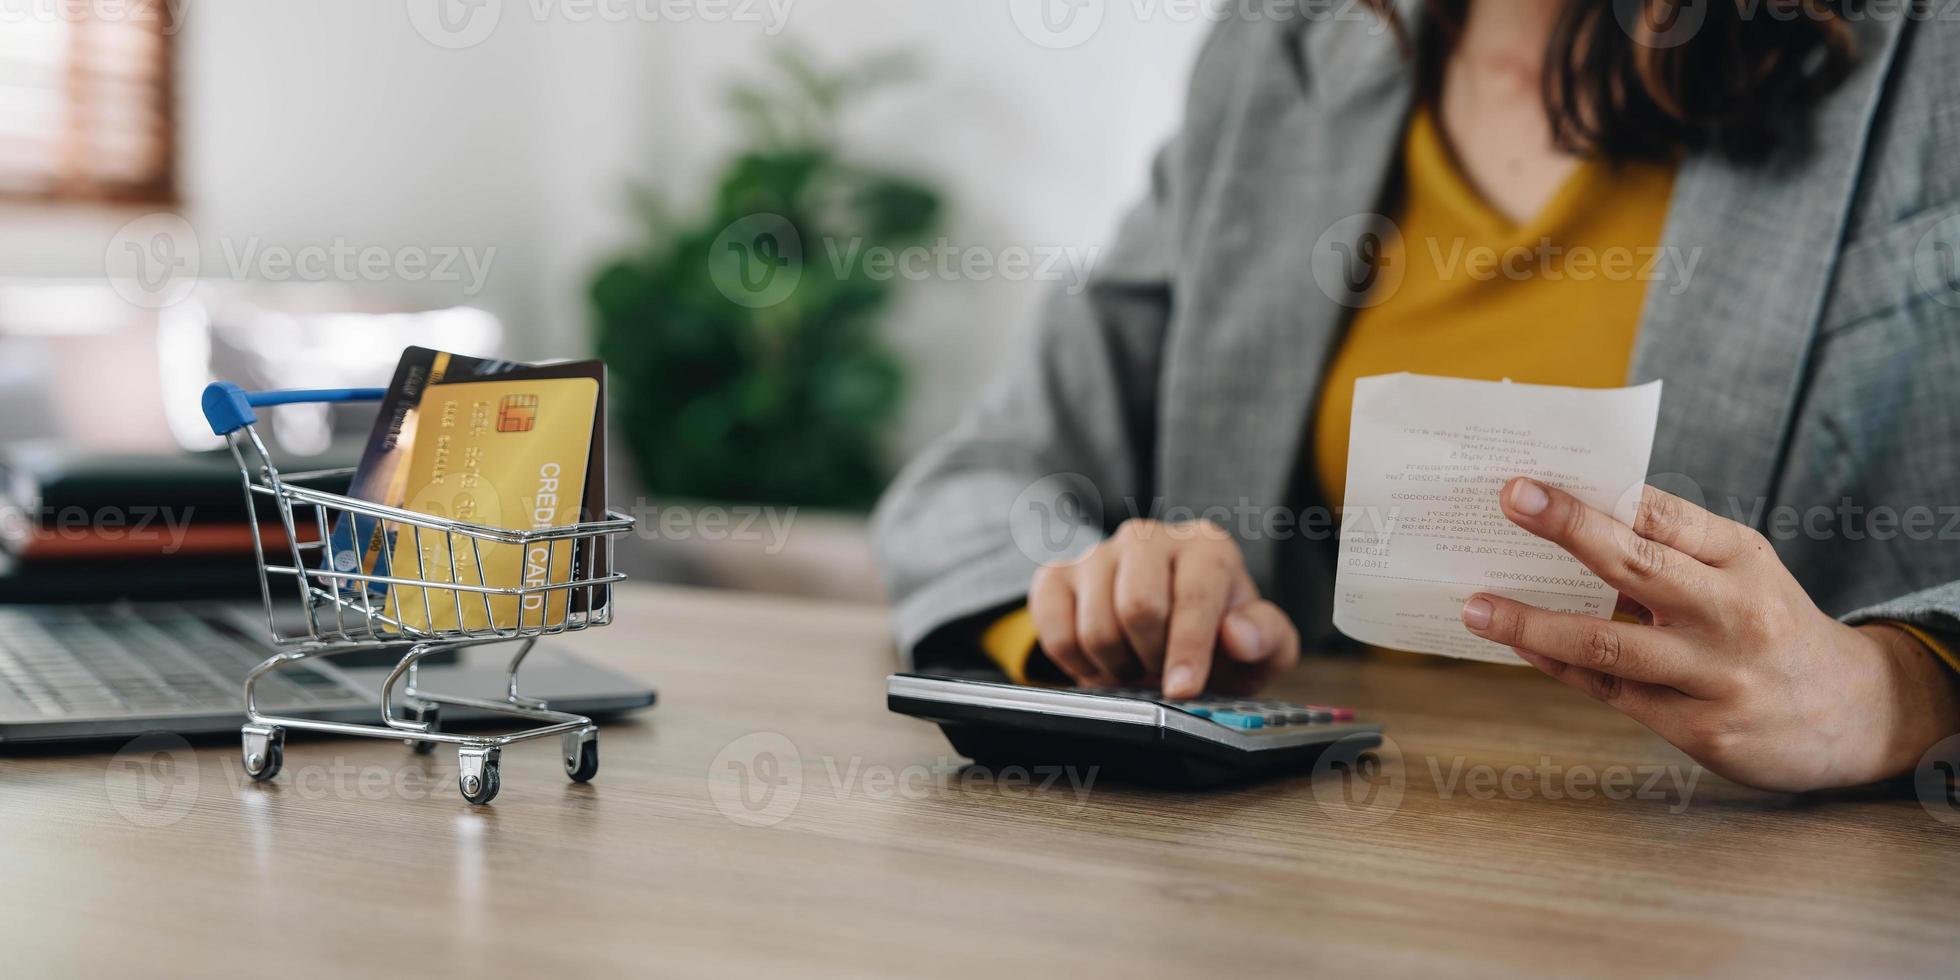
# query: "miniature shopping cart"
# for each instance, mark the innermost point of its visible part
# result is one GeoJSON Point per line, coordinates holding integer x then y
{"type": "Point", "coordinates": [425, 596]}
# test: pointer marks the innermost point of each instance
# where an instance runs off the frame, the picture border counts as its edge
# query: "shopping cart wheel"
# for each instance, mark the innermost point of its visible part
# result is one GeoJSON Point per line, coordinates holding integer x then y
{"type": "Point", "coordinates": [487, 789]}
{"type": "Point", "coordinates": [582, 755]}
{"type": "Point", "coordinates": [477, 774]}
{"type": "Point", "coordinates": [264, 751]}
{"type": "Point", "coordinates": [431, 713]}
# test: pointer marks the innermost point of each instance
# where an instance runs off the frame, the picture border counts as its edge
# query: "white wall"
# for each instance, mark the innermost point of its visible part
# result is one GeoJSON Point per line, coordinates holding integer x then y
{"type": "Point", "coordinates": [1038, 148]}
{"type": "Point", "coordinates": [310, 123]}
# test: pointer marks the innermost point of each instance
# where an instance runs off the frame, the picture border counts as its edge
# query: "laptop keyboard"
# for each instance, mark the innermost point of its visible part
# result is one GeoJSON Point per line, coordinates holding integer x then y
{"type": "Point", "coordinates": [86, 661]}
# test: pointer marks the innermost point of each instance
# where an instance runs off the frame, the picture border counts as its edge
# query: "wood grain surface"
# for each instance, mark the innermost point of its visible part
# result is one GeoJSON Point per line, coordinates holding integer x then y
{"type": "Point", "coordinates": [1514, 828]}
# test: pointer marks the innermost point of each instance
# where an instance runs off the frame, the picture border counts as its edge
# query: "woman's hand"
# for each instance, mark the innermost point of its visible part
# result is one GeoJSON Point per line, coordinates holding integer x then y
{"type": "Point", "coordinates": [1730, 661]}
{"type": "Point", "coordinates": [1151, 604]}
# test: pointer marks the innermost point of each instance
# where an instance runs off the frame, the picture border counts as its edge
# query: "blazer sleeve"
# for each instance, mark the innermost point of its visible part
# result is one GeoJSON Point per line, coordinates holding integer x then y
{"type": "Point", "coordinates": [1932, 614]}
{"type": "Point", "coordinates": [1048, 459]}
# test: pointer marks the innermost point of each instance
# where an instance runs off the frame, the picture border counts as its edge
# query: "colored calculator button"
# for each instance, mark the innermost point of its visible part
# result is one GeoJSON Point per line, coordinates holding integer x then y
{"type": "Point", "coordinates": [1196, 709]}
{"type": "Point", "coordinates": [1339, 714]}
{"type": "Point", "coordinates": [1233, 719]}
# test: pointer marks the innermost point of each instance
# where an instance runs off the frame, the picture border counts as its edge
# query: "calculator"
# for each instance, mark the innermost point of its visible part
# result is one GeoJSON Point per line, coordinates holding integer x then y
{"type": "Point", "coordinates": [1133, 734]}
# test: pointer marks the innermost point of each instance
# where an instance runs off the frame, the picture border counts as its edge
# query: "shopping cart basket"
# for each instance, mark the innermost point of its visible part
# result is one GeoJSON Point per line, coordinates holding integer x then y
{"type": "Point", "coordinates": [434, 570]}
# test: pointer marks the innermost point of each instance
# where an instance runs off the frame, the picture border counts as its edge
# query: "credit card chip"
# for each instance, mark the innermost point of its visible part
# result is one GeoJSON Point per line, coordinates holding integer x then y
{"type": "Point", "coordinates": [517, 413]}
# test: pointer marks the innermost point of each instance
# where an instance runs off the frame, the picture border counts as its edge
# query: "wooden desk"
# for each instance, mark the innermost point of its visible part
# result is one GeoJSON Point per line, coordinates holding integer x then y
{"type": "Point", "coordinates": [343, 868]}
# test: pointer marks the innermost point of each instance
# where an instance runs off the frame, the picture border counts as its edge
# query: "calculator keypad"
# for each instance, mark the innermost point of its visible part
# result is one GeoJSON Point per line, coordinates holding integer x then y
{"type": "Point", "coordinates": [1245, 714]}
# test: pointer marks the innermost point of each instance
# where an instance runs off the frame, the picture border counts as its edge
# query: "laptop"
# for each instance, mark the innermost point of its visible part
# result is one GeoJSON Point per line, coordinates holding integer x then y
{"type": "Point", "coordinates": [163, 645]}
{"type": "Point", "coordinates": [74, 673]}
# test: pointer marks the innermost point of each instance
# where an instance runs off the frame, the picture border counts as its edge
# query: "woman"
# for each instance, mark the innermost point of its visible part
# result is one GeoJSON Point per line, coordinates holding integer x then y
{"type": "Point", "coordinates": [1789, 170]}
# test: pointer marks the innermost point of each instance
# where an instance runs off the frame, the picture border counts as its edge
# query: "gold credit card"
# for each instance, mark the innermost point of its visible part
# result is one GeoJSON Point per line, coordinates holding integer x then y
{"type": "Point", "coordinates": [507, 454]}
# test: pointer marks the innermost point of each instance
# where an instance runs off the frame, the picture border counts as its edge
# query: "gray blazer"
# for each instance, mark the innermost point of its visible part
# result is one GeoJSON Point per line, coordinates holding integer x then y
{"type": "Point", "coordinates": [1812, 357]}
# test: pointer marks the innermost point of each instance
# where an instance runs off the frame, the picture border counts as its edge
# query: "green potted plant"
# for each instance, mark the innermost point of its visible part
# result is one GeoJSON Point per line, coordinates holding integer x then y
{"type": "Point", "coordinates": [744, 346]}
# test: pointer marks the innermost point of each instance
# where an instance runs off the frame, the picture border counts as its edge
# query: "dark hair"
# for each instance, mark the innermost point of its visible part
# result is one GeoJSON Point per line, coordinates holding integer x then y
{"type": "Point", "coordinates": [1646, 79]}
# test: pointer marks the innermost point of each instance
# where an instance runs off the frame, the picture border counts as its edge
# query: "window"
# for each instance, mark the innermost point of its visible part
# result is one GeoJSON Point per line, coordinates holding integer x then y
{"type": "Point", "coordinates": [85, 102]}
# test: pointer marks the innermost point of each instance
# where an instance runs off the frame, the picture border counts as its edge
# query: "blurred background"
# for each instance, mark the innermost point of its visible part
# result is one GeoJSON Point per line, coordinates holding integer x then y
{"type": "Point", "coordinates": [801, 232]}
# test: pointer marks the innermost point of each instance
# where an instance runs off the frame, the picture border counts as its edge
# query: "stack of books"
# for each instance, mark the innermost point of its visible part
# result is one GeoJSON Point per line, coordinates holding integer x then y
{"type": "Point", "coordinates": [79, 525]}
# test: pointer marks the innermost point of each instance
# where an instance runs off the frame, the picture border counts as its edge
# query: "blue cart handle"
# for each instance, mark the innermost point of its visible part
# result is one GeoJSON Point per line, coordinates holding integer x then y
{"type": "Point", "coordinates": [229, 408]}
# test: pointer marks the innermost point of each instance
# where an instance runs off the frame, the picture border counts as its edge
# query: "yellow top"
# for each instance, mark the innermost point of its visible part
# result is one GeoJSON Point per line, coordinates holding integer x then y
{"type": "Point", "coordinates": [1009, 643]}
{"type": "Point", "coordinates": [1468, 293]}
{"type": "Point", "coordinates": [1555, 300]}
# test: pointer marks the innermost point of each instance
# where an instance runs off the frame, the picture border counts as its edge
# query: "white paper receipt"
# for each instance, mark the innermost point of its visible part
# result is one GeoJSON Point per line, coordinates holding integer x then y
{"type": "Point", "coordinates": [1421, 529]}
